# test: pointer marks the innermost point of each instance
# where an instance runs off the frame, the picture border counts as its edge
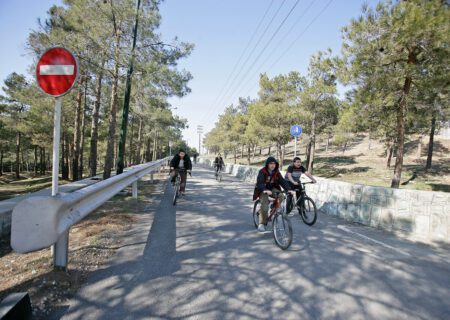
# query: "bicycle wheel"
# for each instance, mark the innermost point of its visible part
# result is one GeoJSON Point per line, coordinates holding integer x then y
{"type": "Point", "coordinates": [282, 231]}
{"type": "Point", "coordinates": [308, 211]}
{"type": "Point", "coordinates": [256, 208]}
{"type": "Point", "coordinates": [175, 193]}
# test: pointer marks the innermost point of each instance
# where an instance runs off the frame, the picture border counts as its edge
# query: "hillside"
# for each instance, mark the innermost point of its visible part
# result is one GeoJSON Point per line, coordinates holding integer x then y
{"type": "Point", "coordinates": [364, 162]}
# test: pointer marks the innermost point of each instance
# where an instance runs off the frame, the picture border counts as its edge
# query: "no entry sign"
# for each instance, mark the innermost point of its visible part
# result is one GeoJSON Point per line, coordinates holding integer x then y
{"type": "Point", "coordinates": [56, 71]}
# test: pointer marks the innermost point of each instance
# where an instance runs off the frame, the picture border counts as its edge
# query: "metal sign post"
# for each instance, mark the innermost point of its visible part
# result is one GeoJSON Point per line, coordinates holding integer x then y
{"type": "Point", "coordinates": [296, 131]}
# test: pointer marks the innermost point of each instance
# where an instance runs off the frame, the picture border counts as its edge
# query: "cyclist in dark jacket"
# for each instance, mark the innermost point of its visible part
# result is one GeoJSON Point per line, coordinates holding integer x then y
{"type": "Point", "coordinates": [181, 163]}
{"type": "Point", "coordinates": [269, 181]}
{"type": "Point", "coordinates": [218, 163]}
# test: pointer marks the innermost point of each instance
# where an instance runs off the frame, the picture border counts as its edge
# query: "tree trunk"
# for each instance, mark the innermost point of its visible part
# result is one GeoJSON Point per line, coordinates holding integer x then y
{"type": "Point", "coordinates": [83, 127]}
{"type": "Point", "coordinates": [431, 142]}
{"type": "Point", "coordinates": [401, 114]}
{"type": "Point", "coordinates": [235, 151]}
{"type": "Point", "coordinates": [148, 156]}
{"type": "Point", "coordinates": [312, 144]}
{"type": "Point", "coordinates": [18, 140]}
{"type": "Point", "coordinates": [130, 146]}
{"type": "Point", "coordinates": [248, 154]}
{"type": "Point", "coordinates": [35, 161]}
{"type": "Point", "coordinates": [1, 162]}
{"type": "Point", "coordinates": [77, 134]}
{"type": "Point", "coordinates": [43, 164]}
{"type": "Point", "coordinates": [109, 158]}
{"type": "Point", "coordinates": [269, 151]}
{"type": "Point", "coordinates": [139, 142]}
{"type": "Point", "coordinates": [328, 143]}
{"type": "Point", "coordinates": [389, 152]}
{"type": "Point", "coordinates": [94, 124]}
{"type": "Point", "coordinates": [260, 150]}
{"type": "Point", "coordinates": [419, 147]}
{"type": "Point", "coordinates": [64, 157]}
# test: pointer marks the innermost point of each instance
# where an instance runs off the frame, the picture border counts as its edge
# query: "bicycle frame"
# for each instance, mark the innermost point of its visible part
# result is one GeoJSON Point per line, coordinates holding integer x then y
{"type": "Point", "coordinates": [302, 194]}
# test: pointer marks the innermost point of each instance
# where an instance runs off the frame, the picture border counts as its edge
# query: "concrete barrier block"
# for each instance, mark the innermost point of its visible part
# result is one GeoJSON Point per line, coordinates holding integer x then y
{"type": "Point", "coordinates": [425, 197]}
{"type": "Point", "coordinates": [341, 210]}
{"type": "Point", "coordinates": [375, 215]}
{"type": "Point", "coordinates": [422, 224]}
{"type": "Point", "coordinates": [441, 199]}
{"type": "Point", "coordinates": [404, 222]}
{"type": "Point", "coordinates": [387, 218]}
{"type": "Point", "coordinates": [364, 213]}
{"type": "Point", "coordinates": [400, 195]}
{"type": "Point", "coordinates": [438, 227]}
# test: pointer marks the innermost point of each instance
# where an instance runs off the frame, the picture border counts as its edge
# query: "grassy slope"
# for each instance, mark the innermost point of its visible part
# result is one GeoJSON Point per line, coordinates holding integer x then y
{"type": "Point", "coordinates": [359, 164]}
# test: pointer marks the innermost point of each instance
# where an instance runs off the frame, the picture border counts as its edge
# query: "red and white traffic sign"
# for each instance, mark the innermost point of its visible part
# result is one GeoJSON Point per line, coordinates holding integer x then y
{"type": "Point", "coordinates": [56, 71]}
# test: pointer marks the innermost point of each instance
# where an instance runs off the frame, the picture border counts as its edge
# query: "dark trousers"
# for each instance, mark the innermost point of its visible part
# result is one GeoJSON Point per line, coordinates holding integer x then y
{"type": "Point", "coordinates": [290, 199]}
{"type": "Point", "coordinates": [183, 176]}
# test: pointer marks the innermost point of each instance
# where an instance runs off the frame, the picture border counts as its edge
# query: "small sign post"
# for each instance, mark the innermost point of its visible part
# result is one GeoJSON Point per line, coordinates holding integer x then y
{"type": "Point", "coordinates": [56, 73]}
{"type": "Point", "coordinates": [296, 131]}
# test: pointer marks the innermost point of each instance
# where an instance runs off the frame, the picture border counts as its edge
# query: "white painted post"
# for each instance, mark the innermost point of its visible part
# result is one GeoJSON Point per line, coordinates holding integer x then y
{"type": "Point", "coordinates": [134, 188]}
{"type": "Point", "coordinates": [56, 137]}
{"type": "Point", "coordinates": [295, 147]}
{"type": "Point", "coordinates": [61, 247]}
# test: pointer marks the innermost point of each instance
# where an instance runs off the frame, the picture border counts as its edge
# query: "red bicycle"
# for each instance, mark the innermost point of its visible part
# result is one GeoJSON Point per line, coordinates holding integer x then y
{"type": "Point", "coordinates": [281, 224]}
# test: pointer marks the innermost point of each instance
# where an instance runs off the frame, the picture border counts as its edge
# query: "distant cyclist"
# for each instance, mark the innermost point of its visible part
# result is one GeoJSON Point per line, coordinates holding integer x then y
{"type": "Point", "coordinates": [293, 174]}
{"type": "Point", "coordinates": [268, 182]}
{"type": "Point", "coordinates": [181, 164]}
{"type": "Point", "coordinates": [218, 164]}
{"type": "Point", "coordinates": [195, 158]}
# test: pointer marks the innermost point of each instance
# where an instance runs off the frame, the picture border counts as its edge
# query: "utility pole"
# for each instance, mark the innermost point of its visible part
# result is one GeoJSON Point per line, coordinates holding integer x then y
{"type": "Point", "coordinates": [199, 131]}
{"type": "Point", "coordinates": [126, 103]}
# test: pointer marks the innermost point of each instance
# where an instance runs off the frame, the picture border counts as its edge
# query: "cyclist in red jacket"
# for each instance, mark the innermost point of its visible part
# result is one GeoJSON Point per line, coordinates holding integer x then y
{"type": "Point", "coordinates": [269, 181]}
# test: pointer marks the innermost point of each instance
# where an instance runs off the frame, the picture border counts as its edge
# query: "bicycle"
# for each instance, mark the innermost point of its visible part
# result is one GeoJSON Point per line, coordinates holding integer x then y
{"type": "Point", "coordinates": [306, 206]}
{"type": "Point", "coordinates": [218, 175]}
{"type": "Point", "coordinates": [176, 187]}
{"type": "Point", "coordinates": [281, 225]}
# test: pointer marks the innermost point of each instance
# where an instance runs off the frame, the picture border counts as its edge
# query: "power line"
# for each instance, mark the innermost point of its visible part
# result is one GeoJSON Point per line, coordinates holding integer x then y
{"type": "Point", "coordinates": [266, 46]}
{"type": "Point", "coordinates": [243, 52]}
{"type": "Point", "coordinates": [301, 34]}
{"type": "Point", "coordinates": [215, 106]}
{"type": "Point", "coordinates": [293, 42]}
{"type": "Point", "coordinates": [278, 45]}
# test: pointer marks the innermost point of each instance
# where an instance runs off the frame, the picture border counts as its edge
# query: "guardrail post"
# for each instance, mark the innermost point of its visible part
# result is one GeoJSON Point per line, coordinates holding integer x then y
{"type": "Point", "coordinates": [151, 177]}
{"type": "Point", "coordinates": [60, 251]}
{"type": "Point", "coordinates": [134, 189]}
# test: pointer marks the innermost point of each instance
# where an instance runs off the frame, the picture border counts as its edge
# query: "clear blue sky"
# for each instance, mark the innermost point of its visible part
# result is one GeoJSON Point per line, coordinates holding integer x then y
{"type": "Point", "coordinates": [220, 30]}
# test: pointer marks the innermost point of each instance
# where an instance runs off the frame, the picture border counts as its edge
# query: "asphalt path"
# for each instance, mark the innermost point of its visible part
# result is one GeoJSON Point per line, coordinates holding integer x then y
{"type": "Point", "coordinates": [203, 259]}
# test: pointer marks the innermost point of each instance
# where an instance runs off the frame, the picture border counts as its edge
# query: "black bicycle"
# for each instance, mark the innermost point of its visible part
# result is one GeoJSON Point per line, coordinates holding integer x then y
{"type": "Point", "coordinates": [305, 205]}
{"type": "Point", "coordinates": [176, 186]}
{"type": "Point", "coordinates": [218, 174]}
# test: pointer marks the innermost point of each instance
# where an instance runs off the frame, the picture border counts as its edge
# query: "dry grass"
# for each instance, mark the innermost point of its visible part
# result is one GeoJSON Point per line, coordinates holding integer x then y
{"type": "Point", "coordinates": [92, 242]}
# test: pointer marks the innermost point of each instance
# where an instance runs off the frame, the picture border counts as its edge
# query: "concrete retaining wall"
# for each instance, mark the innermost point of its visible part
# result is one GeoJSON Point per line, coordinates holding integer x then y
{"type": "Point", "coordinates": [424, 214]}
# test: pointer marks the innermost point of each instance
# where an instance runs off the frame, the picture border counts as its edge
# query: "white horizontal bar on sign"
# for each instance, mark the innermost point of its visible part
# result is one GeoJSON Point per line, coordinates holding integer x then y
{"type": "Point", "coordinates": [56, 70]}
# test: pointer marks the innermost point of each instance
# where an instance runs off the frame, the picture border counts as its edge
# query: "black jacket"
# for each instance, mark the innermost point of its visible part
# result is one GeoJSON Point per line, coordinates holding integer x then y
{"type": "Point", "coordinates": [263, 180]}
{"type": "Point", "coordinates": [219, 161]}
{"type": "Point", "coordinates": [176, 161]}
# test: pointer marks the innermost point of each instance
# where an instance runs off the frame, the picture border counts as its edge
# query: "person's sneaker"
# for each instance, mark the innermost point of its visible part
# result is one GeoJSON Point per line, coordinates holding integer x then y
{"type": "Point", "coordinates": [261, 228]}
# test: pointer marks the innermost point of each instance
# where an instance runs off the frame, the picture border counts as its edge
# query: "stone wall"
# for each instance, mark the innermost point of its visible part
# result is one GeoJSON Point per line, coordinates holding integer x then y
{"type": "Point", "coordinates": [425, 214]}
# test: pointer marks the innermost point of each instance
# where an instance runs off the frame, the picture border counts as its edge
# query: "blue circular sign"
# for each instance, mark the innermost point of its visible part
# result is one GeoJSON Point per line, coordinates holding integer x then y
{"type": "Point", "coordinates": [296, 130]}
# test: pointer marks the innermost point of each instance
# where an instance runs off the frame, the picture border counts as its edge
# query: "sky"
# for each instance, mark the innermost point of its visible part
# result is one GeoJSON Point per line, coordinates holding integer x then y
{"type": "Point", "coordinates": [235, 40]}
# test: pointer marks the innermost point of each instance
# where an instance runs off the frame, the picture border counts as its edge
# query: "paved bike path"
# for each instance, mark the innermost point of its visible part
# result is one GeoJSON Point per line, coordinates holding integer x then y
{"type": "Point", "coordinates": [203, 259]}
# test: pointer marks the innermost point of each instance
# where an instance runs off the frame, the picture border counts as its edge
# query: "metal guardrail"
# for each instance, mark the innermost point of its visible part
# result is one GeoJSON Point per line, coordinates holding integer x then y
{"type": "Point", "coordinates": [39, 222]}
